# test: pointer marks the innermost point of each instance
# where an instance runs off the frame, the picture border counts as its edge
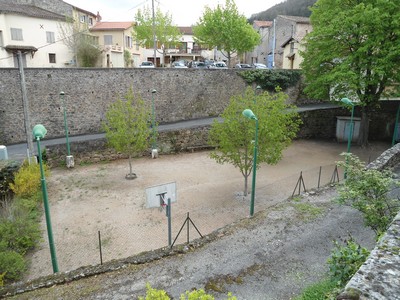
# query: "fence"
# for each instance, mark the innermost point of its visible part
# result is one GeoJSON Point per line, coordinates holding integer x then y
{"type": "Point", "coordinates": [123, 238]}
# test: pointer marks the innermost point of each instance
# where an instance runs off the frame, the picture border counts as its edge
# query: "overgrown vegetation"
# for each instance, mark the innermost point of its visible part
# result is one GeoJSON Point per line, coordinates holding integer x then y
{"type": "Point", "coordinates": [155, 294]}
{"type": "Point", "coordinates": [19, 213]}
{"type": "Point", "coordinates": [368, 190]}
{"type": "Point", "coordinates": [271, 79]}
{"type": "Point", "coordinates": [344, 262]}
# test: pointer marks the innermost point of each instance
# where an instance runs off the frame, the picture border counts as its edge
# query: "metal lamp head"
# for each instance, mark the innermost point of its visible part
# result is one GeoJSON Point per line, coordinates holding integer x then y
{"type": "Point", "coordinates": [347, 101]}
{"type": "Point", "coordinates": [62, 93]}
{"type": "Point", "coordinates": [153, 91]}
{"type": "Point", "coordinates": [248, 113]}
{"type": "Point", "coordinates": [39, 131]}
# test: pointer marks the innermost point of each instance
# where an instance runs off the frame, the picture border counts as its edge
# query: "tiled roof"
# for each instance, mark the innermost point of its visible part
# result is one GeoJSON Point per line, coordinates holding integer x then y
{"type": "Point", "coordinates": [112, 26]}
{"type": "Point", "coordinates": [186, 30]}
{"type": "Point", "coordinates": [296, 19]}
{"type": "Point", "coordinates": [261, 24]}
{"type": "Point", "coordinates": [29, 10]}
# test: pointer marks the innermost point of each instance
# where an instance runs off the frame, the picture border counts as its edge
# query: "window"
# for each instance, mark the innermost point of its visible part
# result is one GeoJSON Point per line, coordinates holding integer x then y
{"type": "Point", "coordinates": [52, 58]}
{"type": "Point", "coordinates": [91, 21]}
{"type": "Point", "coordinates": [16, 34]}
{"type": "Point", "coordinates": [128, 41]}
{"type": "Point", "coordinates": [82, 19]}
{"type": "Point", "coordinates": [50, 37]}
{"type": "Point", "coordinates": [108, 39]}
{"type": "Point", "coordinates": [292, 47]}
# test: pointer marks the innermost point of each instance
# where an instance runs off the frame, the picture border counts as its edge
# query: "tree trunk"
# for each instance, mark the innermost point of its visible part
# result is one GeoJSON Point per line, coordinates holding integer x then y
{"type": "Point", "coordinates": [130, 165]}
{"type": "Point", "coordinates": [364, 128]}
{"type": "Point", "coordinates": [245, 185]}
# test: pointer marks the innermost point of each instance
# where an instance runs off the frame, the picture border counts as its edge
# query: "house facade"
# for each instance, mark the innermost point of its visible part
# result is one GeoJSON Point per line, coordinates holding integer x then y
{"type": "Point", "coordinates": [33, 32]}
{"type": "Point", "coordinates": [288, 32]}
{"type": "Point", "coordinates": [37, 30]}
{"type": "Point", "coordinates": [260, 52]}
{"type": "Point", "coordinates": [117, 44]}
{"type": "Point", "coordinates": [187, 50]}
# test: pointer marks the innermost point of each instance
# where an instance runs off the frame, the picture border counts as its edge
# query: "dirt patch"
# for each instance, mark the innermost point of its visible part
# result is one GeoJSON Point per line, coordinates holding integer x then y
{"type": "Point", "coordinates": [93, 199]}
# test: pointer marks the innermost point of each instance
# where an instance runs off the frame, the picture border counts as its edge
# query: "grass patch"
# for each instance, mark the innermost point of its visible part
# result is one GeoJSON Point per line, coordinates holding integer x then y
{"type": "Point", "coordinates": [307, 211]}
{"type": "Point", "coordinates": [325, 289]}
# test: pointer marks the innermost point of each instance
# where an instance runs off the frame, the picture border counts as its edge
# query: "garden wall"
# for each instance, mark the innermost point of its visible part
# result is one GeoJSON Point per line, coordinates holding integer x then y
{"type": "Point", "coordinates": [182, 94]}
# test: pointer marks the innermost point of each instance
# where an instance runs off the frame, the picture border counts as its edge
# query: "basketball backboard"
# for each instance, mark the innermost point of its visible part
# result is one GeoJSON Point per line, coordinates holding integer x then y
{"type": "Point", "coordinates": [155, 195]}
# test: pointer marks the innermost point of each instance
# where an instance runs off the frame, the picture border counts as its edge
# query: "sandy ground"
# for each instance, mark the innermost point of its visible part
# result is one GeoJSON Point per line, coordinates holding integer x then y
{"type": "Point", "coordinates": [97, 199]}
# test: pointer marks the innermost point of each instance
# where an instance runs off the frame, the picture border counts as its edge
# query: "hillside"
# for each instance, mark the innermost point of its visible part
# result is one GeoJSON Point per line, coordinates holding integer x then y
{"type": "Point", "coordinates": [299, 8]}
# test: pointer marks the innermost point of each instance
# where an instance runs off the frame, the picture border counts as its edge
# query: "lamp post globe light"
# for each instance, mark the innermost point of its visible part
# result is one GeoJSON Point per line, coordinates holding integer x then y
{"type": "Point", "coordinates": [248, 113]}
{"type": "Point", "coordinates": [154, 151]}
{"type": "Point", "coordinates": [39, 131]}
{"type": "Point", "coordinates": [347, 101]}
{"type": "Point", "coordinates": [69, 159]}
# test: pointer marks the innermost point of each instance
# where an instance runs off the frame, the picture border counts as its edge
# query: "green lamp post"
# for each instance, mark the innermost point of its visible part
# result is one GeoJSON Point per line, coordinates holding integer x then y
{"type": "Point", "coordinates": [248, 113]}
{"type": "Point", "coordinates": [70, 158]}
{"type": "Point", "coordinates": [39, 131]}
{"type": "Point", "coordinates": [154, 152]}
{"type": "Point", "coordinates": [350, 135]}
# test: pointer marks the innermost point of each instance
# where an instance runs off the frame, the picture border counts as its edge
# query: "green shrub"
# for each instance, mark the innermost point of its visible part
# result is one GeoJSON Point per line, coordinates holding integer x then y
{"type": "Point", "coordinates": [7, 171]}
{"type": "Point", "coordinates": [345, 261]}
{"type": "Point", "coordinates": [154, 294]}
{"type": "Point", "coordinates": [12, 264]}
{"type": "Point", "coordinates": [27, 180]}
{"type": "Point", "coordinates": [19, 234]}
{"type": "Point", "coordinates": [367, 190]}
{"type": "Point", "coordinates": [271, 79]}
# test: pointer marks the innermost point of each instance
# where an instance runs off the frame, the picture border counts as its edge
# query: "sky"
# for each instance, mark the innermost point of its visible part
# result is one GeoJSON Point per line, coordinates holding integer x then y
{"type": "Point", "coordinates": [184, 12]}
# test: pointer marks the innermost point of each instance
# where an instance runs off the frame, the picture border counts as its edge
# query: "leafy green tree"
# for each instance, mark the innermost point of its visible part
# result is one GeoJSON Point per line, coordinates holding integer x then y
{"type": "Point", "coordinates": [368, 191]}
{"type": "Point", "coordinates": [278, 124]}
{"type": "Point", "coordinates": [226, 29]}
{"type": "Point", "coordinates": [166, 34]}
{"type": "Point", "coordinates": [353, 51]}
{"type": "Point", "coordinates": [126, 127]}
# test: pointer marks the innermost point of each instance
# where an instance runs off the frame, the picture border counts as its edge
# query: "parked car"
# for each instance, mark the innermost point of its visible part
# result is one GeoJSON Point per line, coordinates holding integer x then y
{"type": "Point", "coordinates": [179, 65]}
{"type": "Point", "coordinates": [243, 66]}
{"type": "Point", "coordinates": [197, 65]}
{"type": "Point", "coordinates": [218, 65]}
{"type": "Point", "coordinates": [259, 66]}
{"type": "Point", "coordinates": [146, 64]}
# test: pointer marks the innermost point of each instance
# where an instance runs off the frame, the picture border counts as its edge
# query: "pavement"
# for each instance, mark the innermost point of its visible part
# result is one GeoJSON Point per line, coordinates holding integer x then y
{"type": "Point", "coordinates": [19, 151]}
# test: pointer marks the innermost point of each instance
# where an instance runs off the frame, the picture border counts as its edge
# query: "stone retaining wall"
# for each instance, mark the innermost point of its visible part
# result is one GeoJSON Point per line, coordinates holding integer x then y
{"type": "Point", "coordinates": [182, 94]}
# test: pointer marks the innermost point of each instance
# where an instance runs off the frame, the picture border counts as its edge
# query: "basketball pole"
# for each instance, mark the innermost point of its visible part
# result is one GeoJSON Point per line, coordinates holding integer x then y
{"type": "Point", "coordinates": [169, 222]}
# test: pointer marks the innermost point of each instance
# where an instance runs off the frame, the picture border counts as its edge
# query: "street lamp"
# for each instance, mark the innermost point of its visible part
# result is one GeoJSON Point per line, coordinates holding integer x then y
{"type": "Point", "coordinates": [39, 131]}
{"type": "Point", "coordinates": [69, 158]}
{"type": "Point", "coordinates": [347, 101]}
{"type": "Point", "coordinates": [250, 115]}
{"type": "Point", "coordinates": [154, 152]}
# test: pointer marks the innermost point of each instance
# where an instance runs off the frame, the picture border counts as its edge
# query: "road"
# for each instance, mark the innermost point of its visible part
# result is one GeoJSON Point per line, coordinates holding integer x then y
{"type": "Point", "coordinates": [19, 151]}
